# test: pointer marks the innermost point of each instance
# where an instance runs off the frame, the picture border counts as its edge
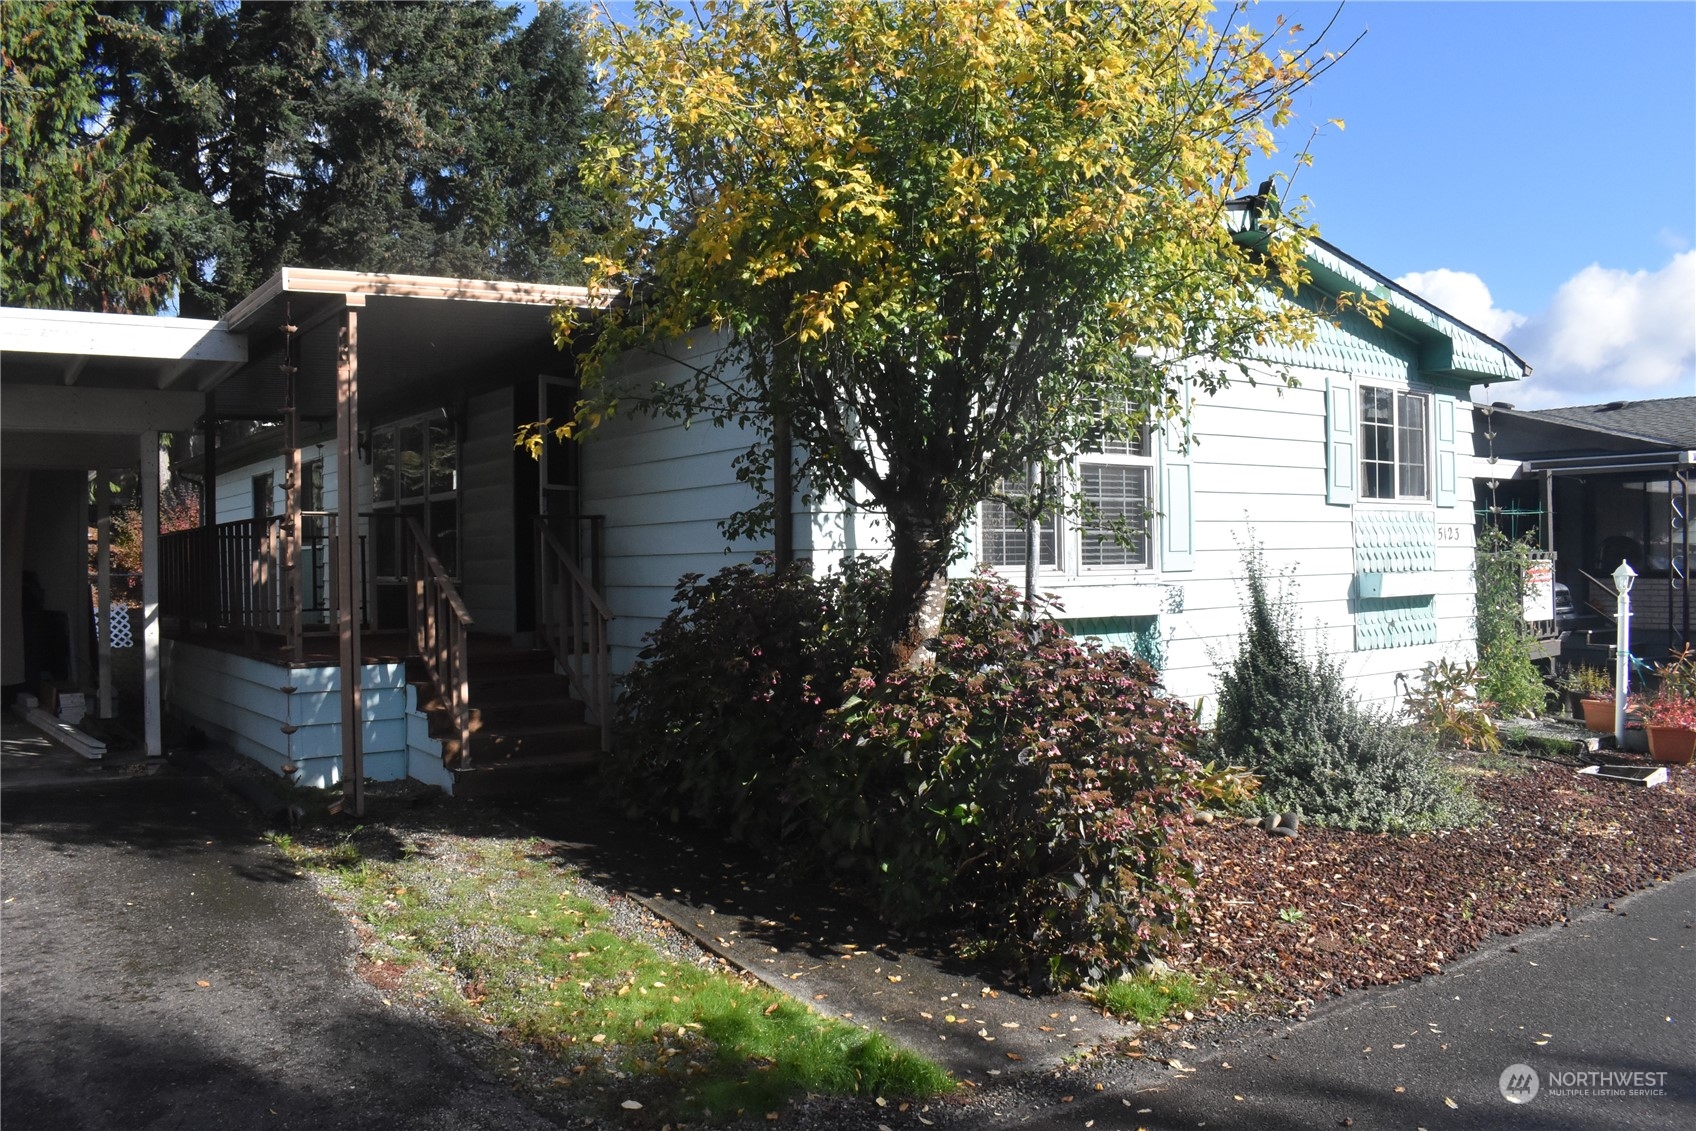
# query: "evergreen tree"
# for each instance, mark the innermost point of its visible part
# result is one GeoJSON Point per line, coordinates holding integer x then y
{"type": "Point", "coordinates": [428, 138]}
{"type": "Point", "coordinates": [86, 221]}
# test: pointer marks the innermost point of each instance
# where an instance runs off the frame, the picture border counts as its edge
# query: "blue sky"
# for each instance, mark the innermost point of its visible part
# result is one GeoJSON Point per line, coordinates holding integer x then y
{"type": "Point", "coordinates": [1530, 167]}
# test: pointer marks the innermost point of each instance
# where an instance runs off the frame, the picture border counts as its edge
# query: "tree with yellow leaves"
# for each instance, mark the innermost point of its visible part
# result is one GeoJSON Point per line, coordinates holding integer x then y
{"type": "Point", "coordinates": [943, 241]}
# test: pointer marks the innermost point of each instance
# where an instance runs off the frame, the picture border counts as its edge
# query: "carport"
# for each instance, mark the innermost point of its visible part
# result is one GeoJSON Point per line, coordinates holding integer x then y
{"type": "Point", "coordinates": [80, 393]}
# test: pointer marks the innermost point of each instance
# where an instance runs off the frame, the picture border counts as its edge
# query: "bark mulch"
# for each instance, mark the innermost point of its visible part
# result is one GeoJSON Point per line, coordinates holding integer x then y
{"type": "Point", "coordinates": [1294, 919]}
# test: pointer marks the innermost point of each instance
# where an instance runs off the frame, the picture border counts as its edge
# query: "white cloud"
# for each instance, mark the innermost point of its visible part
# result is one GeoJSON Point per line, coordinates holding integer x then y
{"type": "Point", "coordinates": [1613, 335]}
{"type": "Point", "coordinates": [1606, 335]}
{"type": "Point", "coordinates": [1464, 295]}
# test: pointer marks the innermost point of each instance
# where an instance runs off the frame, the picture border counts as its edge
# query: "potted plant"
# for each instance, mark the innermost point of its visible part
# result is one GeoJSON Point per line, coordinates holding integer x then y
{"type": "Point", "coordinates": [1670, 721]}
{"type": "Point", "coordinates": [1594, 691]}
{"type": "Point", "coordinates": [1670, 716]}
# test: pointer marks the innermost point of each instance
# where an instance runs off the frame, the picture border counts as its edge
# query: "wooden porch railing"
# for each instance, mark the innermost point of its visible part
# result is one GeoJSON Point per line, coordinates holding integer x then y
{"type": "Point", "coordinates": [574, 621]}
{"type": "Point", "coordinates": [225, 576]}
{"type": "Point", "coordinates": [231, 576]}
{"type": "Point", "coordinates": [441, 631]}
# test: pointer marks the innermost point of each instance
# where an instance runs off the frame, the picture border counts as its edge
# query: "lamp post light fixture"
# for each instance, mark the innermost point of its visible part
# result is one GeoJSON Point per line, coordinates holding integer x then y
{"type": "Point", "coordinates": [1624, 578]}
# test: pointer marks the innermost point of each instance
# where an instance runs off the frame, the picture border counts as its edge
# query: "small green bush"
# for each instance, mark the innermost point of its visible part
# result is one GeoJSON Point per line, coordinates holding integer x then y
{"type": "Point", "coordinates": [1445, 706]}
{"type": "Point", "coordinates": [1292, 719]}
{"type": "Point", "coordinates": [1507, 675]}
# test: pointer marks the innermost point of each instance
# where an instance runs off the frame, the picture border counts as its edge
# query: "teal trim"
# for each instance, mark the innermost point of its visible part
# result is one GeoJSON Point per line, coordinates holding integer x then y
{"type": "Point", "coordinates": [1348, 343]}
{"type": "Point", "coordinates": [1139, 636]}
{"type": "Point", "coordinates": [1395, 622]}
{"type": "Point", "coordinates": [1446, 349]}
{"type": "Point", "coordinates": [1341, 441]}
{"type": "Point", "coordinates": [1443, 413]}
{"type": "Point", "coordinates": [1395, 540]}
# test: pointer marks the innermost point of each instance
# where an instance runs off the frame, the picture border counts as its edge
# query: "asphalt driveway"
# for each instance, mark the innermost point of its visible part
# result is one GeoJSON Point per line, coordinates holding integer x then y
{"type": "Point", "coordinates": [163, 967]}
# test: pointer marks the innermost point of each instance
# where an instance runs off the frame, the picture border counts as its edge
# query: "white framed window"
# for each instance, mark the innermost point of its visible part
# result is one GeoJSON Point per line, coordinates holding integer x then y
{"type": "Point", "coordinates": [1395, 443]}
{"type": "Point", "coordinates": [1115, 531]}
{"type": "Point", "coordinates": [1004, 532]}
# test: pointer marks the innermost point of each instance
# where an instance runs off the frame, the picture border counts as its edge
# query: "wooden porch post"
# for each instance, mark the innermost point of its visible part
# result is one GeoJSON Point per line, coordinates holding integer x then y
{"type": "Point", "coordinates": [150, 678]}
{"type": "Point", "coordinates": [347, 552]}
{"type": "Point", "coordinates": [103, 560]}
{"type": "Point", "coordinates": [290, 529]}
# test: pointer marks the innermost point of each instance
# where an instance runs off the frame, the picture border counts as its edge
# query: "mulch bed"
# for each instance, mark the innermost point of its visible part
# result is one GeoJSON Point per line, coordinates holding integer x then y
{"type": "Point", "coordinates": [1292, 919]}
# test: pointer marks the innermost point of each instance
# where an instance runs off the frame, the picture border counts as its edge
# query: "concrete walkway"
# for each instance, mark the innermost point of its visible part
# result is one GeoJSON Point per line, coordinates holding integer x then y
{"type": "Point", "coordinates": [164, 967]}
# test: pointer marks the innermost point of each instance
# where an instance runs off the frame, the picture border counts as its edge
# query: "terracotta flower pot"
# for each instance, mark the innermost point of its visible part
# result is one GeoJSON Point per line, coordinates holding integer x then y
{"type": "Point", "coordinates": [1598, 714]}
{"type": "Point", "coordinates": [1671, 744]}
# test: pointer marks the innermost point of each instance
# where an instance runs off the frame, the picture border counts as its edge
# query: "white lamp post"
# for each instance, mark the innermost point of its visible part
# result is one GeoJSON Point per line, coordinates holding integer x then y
{"type": "Point", "coordinates": [1624, 577]}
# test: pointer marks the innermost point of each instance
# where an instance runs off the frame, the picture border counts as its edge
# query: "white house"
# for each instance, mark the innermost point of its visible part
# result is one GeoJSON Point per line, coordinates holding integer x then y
{"type": "Point", "coordinates": [487, 600]}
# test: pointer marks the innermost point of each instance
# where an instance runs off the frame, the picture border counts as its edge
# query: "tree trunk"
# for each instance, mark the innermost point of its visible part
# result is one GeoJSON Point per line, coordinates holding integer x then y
{"type": "Point", "coordinates": [918, 589]}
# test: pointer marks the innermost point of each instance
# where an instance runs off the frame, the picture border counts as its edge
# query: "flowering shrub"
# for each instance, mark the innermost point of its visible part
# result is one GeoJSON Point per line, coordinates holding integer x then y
{"type": "Point", "coordinates": [1021, 788]}
{"type": "Point", "coordinates": [731, 688]}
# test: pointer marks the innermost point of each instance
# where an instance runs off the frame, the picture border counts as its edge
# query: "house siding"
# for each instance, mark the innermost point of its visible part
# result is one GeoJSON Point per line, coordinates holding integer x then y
{"type": "Point", "coordinates": [487, 530]}
{"type": "Point", "coordinates": [241, 701]}
{"type": "Point", "coordinates": [663, 486]}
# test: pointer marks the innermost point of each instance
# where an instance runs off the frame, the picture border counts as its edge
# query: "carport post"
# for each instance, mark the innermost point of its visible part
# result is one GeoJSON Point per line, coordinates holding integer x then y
{"type": "Point", "coordinates": [347, 553]}
{"type": "Point", "coordinates": [103, 562]}
{"type": "Point", "coordinates": [150, 681]}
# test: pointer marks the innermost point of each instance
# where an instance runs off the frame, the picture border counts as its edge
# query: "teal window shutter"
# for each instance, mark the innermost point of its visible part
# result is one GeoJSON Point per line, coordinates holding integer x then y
{"type": "Point", "coordinates": [1341, 441]}
{"type": "Point", "coordinates": [1443, 409]}
{"type": "Point", "coordinates": [1177, 496]}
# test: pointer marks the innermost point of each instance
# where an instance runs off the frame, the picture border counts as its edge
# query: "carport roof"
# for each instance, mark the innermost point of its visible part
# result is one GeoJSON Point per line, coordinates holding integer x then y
{"type": "Point", "coordinates": [79, 388]}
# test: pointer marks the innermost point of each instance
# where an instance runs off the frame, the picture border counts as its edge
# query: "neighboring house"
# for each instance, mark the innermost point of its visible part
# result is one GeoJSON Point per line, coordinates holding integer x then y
{"type": "Point", "coordinates": [476, 559]}
{"type": "Point", "coordinates": [1597, 485]}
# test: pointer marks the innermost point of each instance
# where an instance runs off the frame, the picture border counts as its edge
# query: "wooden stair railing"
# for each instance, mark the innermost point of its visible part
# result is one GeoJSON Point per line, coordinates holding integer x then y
{"type": "Point", "coordinates": [441, 631]}
{"type": "Point", "coordinates": [574, 621]}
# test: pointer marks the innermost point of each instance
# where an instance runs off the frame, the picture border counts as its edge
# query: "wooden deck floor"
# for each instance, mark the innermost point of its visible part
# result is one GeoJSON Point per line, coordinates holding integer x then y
{"type": "Point", "coordinates": [319, 650]}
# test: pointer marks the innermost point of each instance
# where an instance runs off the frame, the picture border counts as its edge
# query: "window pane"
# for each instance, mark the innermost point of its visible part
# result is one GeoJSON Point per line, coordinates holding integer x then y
{"type": "Point", "coordinates": [263, 496]}
{"type": "Point", "coordinates": [444, 458]}
{"type": "Point", "coordinates": [312, 487]}
{"type": "Point", "coordinates": [1116, 527]}
{"type": "Point", "coordinates": [383, 466]}
{"type": "Point", "coordinates": [410, 458]}
{"type": "Point", "coordinates": [1410, 441]}
{"type": "Point", "coordinates": [1377, 444]}
{"type": "Point", "coordinates": [1004, 532]}
{"type": "Point", "coordinates": [1133, 445]}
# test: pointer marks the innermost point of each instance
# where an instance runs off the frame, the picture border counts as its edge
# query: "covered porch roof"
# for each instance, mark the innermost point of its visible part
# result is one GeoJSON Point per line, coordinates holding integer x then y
{"type": "Point", "coordinates": [418, 335]}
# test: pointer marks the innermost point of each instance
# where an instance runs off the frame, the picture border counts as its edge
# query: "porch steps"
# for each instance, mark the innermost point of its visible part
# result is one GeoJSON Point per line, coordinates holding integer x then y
{"type": "Point", "coordinates": [528, 733]}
